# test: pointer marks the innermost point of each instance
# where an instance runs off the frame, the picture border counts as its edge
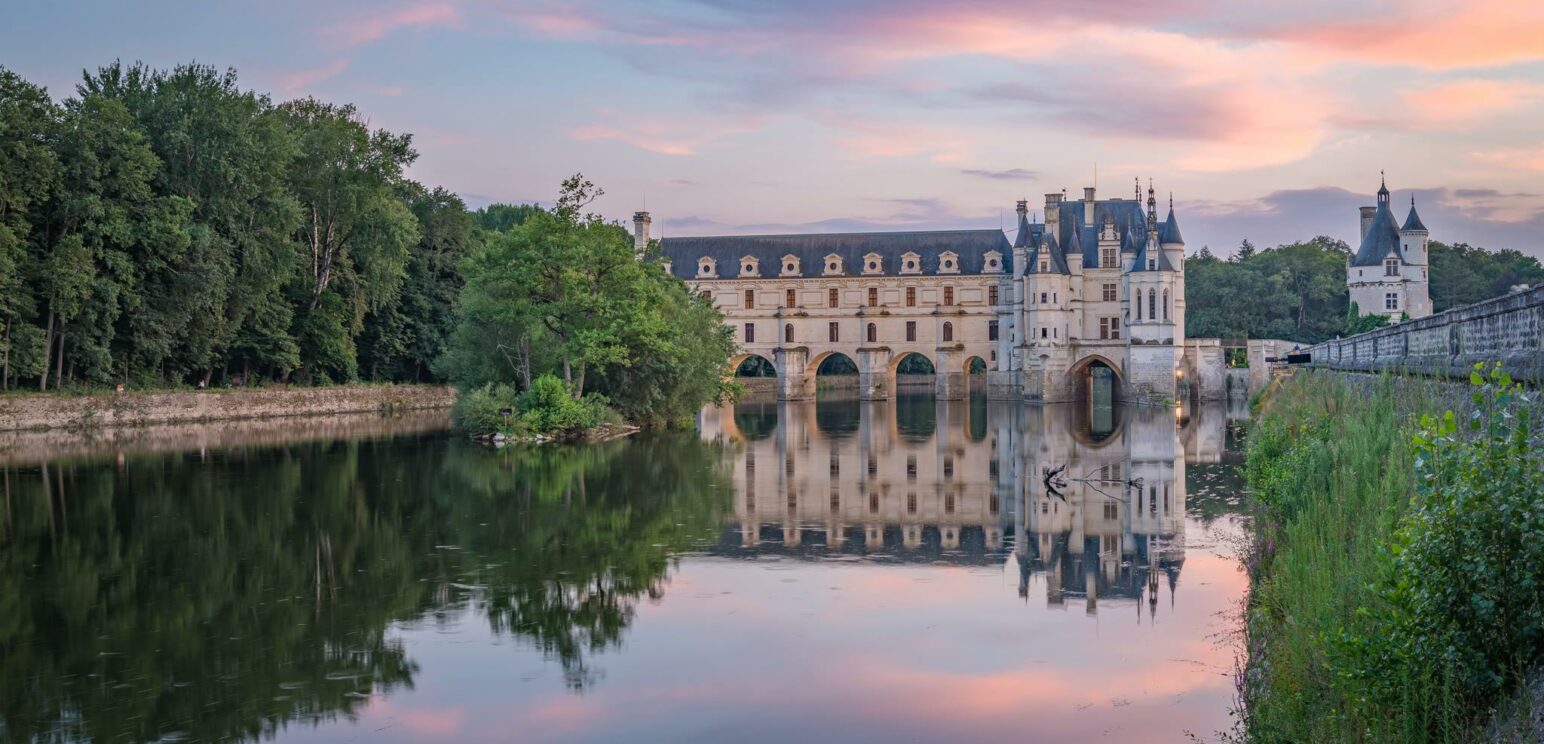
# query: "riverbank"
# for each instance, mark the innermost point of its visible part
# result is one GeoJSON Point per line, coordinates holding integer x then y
{"type": "Point", "coordinates": [37, 412]}
{"type": "Point", "coordinates": [1394, 593]}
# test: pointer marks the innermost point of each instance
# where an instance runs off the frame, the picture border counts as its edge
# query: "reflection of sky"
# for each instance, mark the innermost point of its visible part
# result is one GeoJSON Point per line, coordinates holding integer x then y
{"type": "Point", "coordinates": [858, 652]}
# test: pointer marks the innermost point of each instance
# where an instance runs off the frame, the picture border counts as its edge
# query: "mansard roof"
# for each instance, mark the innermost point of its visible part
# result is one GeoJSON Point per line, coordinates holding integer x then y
{"type": "Point", "coordinates": [1125, 213]}
{"type": "Point", "coordinates": [1141, 261]}
{"type": "Point", "coordinates": [1382, 237]}
{"type": "Point", "coordinates": [1169, 231]}
{"type": "Point", "coordinates": [1413, 221]}
{"type": "Point", "coordinates": [969, 246]}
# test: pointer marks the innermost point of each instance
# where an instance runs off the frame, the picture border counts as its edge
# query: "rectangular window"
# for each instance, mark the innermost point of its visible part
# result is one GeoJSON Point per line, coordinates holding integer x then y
{"type": "Point", "coordinates": [831, 331]}
{"type": "Point", "coordinates": [911, 297]}
{"type": "Point", "coordinates": [1043, 332]}
{"type": "Point", "coordinates": [991, 330]}
{"type": "Point", "coordinates": [790, 298]}
{"type": "Point", "coordinates": [1391, 301]}
{"type": "Point", "coordinates": [873, 465]}
{"type": "Point", "coordinates": [750, 298]}
{"type": "Point", "coordinates": [948, 295]}
{"type": "Point", "coordinates": [1104, 328]}
{"type": "Point", "coordinates": [1391, 267]}
{"type": "Point", "coordinates": [911, 467]}
{"type": "Point", "coordinates": [911, 503]}
{"type": "Point", "coordinates": [706, 295]}
{"type": "Point", "coordinates": [1109, 258]}
{"type": "Point", "coordinates": [948, 466]}
{"type": "Point", "coordinates": [1109, 293]}
{"type": "Point", "coordinates": [911, 330]}
{"type": "Point", "coordinates": [750, 333]}
{"type": "Point", "coordinates": [991, 295]}
{"type": "Point", "coordinates": [831, 297]}
{"type": "Point", "coordinates": [1114, 327]}
{"type": "Point", "coordinates": [873, 297]}
{"type": "Point", "coordinates": [1111, 512]}
{"type": "Point", "coordinates": [1043, 296]}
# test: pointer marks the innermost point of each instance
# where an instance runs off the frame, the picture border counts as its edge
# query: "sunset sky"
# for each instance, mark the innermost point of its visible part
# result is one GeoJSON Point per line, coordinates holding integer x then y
{"type": "Point", "coordinates": [1266, 120]}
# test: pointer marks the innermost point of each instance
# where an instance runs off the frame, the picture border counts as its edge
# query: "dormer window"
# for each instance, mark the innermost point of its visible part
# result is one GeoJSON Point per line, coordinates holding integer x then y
{"type": "Point", "coordinates": [1045, 265]}
{"type": "Point", "coordinates": [948, 263]}
{"type": "Point", "coordinates": [994, 261]}
{"type": "Point", "coordinates": [1152, 264]}
{"type": "Point", "coordinates": [833, 265]}
{"type": "Point", "coordinates": [749, 266]}
{"type": "Point", "coordinates": [707, 268]}
{"type": "Point", "coordinates": [790, 265]}
{"type": "Point", "coordinates": [873, 263]}
{"type": "Point", "coordinates": [666, 265]}
{"type": "Point", "coordinates": [1391, 267]}
{"type": "Point", "coordinates": [911, 263]}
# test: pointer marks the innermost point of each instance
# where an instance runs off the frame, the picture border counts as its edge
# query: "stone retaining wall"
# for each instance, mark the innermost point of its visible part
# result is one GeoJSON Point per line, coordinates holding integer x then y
{"type": "Point", "coordinates": [1508, 330]}
{"type": "Point", "coordinates": [142, 409]}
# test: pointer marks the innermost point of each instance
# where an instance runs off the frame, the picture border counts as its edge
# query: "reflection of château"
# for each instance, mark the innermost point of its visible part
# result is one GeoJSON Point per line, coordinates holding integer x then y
{"type": "Point", "coordinates": [918, 479]}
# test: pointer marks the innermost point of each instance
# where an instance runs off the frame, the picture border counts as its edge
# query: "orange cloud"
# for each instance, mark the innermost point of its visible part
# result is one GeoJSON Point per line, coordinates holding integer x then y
{"type": "Point", "coordinates": [1476, 33]}
{"type": "Point", "coordinates": [1522, 158]}
{"type": "Point", "coordinates": [640, 140]}
{"type": "Point", "coordinates": [1469, 100]}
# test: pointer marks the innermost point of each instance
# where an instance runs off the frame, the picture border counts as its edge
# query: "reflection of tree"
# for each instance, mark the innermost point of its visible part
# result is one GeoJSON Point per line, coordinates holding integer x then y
{"type": "Point", "coordinates": [227, 598]}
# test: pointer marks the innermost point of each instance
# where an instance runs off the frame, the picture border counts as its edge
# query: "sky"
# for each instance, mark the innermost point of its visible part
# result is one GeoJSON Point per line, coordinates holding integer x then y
{"type": "Point", "coordinates": [1265, 120]}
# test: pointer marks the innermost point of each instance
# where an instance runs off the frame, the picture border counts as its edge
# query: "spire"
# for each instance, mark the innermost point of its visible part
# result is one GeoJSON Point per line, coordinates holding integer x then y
{"type": "Point", "coordinates": [1413, 221]}
{"type": "Point", "coordinates": [1169, 233]}
{"type": "Point", "coordinates": [1152, 204]}
{"type": "Point", "coordinates": [1022, 239]}
{"type": "Point", "coordinates": [1136, 189]}
{"type": "Point", "coordinates": [1383, 188]}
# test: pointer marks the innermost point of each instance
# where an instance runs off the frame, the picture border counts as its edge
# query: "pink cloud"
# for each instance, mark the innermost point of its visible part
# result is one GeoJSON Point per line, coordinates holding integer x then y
{"type": "Point", "coordinates": [642, 141]}
{"type": "Point", "coordinates": [663, 135]}
{"type": "Point", "coordinates": [1518, 158]}
{"type": "Point", "coordinates": [1434, 35]}
{"type": "Point", "coordinates": [374, 26]}
{"type": "Point", "coordinates": [298, 81]}
{"type": "Point", "coordinates": [1464, 101]}
{"type": "Point", "coordinates": [424, 723]}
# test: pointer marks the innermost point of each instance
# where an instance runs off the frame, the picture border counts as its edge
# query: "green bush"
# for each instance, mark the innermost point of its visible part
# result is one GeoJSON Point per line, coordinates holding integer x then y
{"type": "Point", "coordinates": [549, 407]}
{"type": "Point", "coordinates": [477, 410]}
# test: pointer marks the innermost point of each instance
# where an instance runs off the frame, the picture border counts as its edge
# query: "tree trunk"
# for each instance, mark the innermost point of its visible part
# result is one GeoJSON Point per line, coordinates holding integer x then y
{"type": "Point", "coordinates": [48, 346]}
{"type": "Point", "coordinates": [579, 383]}
{"type": "Point", "coordinates": [568, 373]}
{"type": "Point", "coordinates": [525, 361]}
{"type": "Point", "coordinates": [5, 365]}
{"type": "Point", "coordinates": [59, 361]}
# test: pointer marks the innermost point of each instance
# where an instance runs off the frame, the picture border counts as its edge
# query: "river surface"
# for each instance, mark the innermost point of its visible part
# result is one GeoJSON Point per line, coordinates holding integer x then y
{"type": "Point", "coordinates": [831, 571]}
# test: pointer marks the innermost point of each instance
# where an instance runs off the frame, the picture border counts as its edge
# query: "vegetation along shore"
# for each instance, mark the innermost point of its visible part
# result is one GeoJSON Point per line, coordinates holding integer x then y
{"type": "Point", "coordinates": [1396, 592]}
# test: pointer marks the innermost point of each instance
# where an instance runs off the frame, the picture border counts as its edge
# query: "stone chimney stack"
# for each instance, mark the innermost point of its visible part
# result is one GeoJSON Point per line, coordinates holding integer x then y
{"type": "Point", "coordinates": [1088, 205]}
{"type": "Point", "coordinates": [1022, 207]}
{"type": "Point", "coordinates": [1367, 215]}
{"type": "Point", "coordinates": [1053, 213]}
{"type": "Point", "coordinates": [641, 222]}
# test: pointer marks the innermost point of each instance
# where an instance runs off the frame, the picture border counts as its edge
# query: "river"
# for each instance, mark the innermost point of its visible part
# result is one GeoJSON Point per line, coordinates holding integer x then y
{"type": "Point", "coordinates": [839, 570]}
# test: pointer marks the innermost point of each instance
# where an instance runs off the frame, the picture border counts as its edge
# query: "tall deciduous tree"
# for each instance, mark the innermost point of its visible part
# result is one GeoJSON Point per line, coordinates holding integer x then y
{"type": "Point", "coordinates": [29, 177]}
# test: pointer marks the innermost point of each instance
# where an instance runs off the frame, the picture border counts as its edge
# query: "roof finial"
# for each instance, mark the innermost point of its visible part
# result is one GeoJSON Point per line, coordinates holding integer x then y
{"type": "Point", "coordinates": [1136, 188]}
{"type": "Point", "coordinates": [1171, 201]}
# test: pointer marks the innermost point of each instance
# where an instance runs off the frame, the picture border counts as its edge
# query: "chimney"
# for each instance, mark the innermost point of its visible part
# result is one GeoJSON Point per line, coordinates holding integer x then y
{"type": "Point", "coordinates": [1367, 215]}
{"type": "Point", "coordinates": [1053, 212]}
{"type": "Point", "coordinates": [1088, 205]}
{"type": "Point", "coordinates": [641, 222]}
{"type": "Point", "coordinates": [1022, 207]}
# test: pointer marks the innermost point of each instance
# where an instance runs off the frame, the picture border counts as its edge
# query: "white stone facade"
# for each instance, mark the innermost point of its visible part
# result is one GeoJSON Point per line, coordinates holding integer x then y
{"type": "Point", "coordinates": [1388, 274]}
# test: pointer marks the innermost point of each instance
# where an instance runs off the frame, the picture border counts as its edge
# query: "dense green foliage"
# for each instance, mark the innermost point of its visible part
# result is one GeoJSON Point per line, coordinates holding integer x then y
{"type": "Point", "coordinates": [1396, 595]}
{"type": "Point", "coordinates": [166, 228]}
{"type": "Point", "coordinates": [222, 598]}
{"type": "Point", "coordinates": [1298, 291]}
{"type": "Point", "coordinates": [566, 293]}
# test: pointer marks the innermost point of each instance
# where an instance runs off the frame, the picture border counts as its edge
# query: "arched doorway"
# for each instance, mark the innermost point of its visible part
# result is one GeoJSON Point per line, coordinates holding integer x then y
{"type": "Point", "coordinates": [912, 373]}
{"type": "Point", "coordinates": [831, 371]}
{"type": "Point", "coordinates": [975, 375]}
{"type": "Point", "coordinates": [1098, 383]}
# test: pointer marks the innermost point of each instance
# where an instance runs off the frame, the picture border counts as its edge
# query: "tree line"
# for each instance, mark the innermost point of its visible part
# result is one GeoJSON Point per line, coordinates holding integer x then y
{"type": "Point", "coordinates": [1298, 291]}
{"type": "Point", "coordinates": [167, 228]}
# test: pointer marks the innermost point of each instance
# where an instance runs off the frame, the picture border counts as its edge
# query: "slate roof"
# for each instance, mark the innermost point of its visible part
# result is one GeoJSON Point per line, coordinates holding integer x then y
{"type": "Point", "coordinates": [1047, 245]}
{"type": "Point", "coordinates": [1125, 213]}
{"type": "Point", "coordinates": [1141, 261]}
{"type": "Point", "coordinates": [1413, 221]}
{"type": "Point", "coordinates": [1382, 236]}
{"type": "Point", "coordinates": [971, 246]}
{"type": "Point", "coordinates": [1169, 231]}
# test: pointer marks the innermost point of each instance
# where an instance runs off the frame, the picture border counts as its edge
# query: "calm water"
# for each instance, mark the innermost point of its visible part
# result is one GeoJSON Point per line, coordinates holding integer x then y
{"type": "Point", "coordinates": [833, 571]}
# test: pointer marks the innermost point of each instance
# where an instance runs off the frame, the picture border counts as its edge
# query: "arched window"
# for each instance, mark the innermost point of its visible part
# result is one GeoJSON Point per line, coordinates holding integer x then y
{"type": "Point", "coordinates": [1152, 304]}
{"type": "Point", "coordinates": [873, 334]}
{"type": "Point", "coordinates": [1139, 304]}
{"type": "Point", "coordinates": [948, 331]}
{"type": "Point", "coordinates": [788, 333]}
{"type": "Point", "coordinates": [1165, 304]}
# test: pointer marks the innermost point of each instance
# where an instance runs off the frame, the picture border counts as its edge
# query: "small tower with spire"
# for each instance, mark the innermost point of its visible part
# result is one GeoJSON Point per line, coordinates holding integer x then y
{"type": "Point", "coordinates": [1388, 273]}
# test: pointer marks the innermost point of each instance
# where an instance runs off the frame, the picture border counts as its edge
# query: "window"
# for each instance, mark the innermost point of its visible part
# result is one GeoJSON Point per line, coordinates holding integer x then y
{"type": "Point", "coordinates": [1138, 304]}
{"type": "Point", "coordinates": [948, 295]}
{"type": "Point", "coordinates": [873, 334]}
{"type": "Point", "coordinates": [873, 297]}
{"type": "Point", "coordinates": [873, 465]}
{"type": "Point", "coordinates": [1391, 267]}
{"type": "Point", "coordinates": [1115, 328]}
{"type": "Point", "coordinates": [911, 297]}
{"type": "Point", "coordinates": [948, 263]}
{"type": "Point", "coordinates": [790, 298]}
{"type": "Point", "coordinates": [1109, 258]}
{"type": "Point", "coordinates": [1043, 296]}
{"type": "Point", "coordinates": [706, 295]}
{"type": "Point", "coordinates": [993, 261]}
{"type": "Point", "coordinates": [1111, 512]}
{"type": "Point", "coordinates": [1043, 331]}
{"type": "Point", "coordinates": [1045, 265]}
{"type": "Point", "coordinates": [750, 333]}
{"type": "Point", "coordinates": [1152, 304]}
{"type": "Point", "coordinates": [991, 330]}
{"type": "Point", "coordinates": [949, 503]}
{"type": "Point", "coordinates": [831, 297]}
{"type": "Point", "coordinates": [750, 298]}
{"type": "Point", "coordinates": [873, 503]}
{"type": "Point", "coordinates": [1391, 301]}
{"type": "Point", "coordinates": [1104, 328]}
{"type": "Point", "coordinates": [911, 330]}
{"type": "Point", "coordinates": [911, 503]}
{"type": "Point", "coordinates": [706, 267]}
{"type": "Point", "coordinates": [948, 331]}
{"type": "Point", "coordinates": [831, 331]}
{"type": "Point", "coordinates": [1152, 264]}
{"type": "Point", "coordinates": [991, 295]}
{"type": "Point", "coordinates": [1165, 304]}
{"type": "Point", "coordinates": [948, 466]}
{"type": "Point", "coordinates": [836, 465]}
{"type": "Point", "coordinates": [911, 467]}
{"type": "Point", "coordinates": [788, 333]}
{"type": "Point", "coordinates": [1110, 293]}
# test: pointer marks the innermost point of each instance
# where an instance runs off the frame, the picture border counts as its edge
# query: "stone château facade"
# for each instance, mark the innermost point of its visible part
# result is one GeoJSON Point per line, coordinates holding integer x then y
{"type": "Point", "coordinates": [1387, 275]}
{"type": "Point", "coordinates": [1092, 295]}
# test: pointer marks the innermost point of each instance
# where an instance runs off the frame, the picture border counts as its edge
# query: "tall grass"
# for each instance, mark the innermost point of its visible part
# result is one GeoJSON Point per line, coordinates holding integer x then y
{"type": "Point", "coordinates": [1341, 621]}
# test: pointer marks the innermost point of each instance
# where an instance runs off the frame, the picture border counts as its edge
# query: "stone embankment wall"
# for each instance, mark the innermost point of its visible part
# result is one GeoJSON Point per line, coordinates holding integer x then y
{"type": "Point", "coordinates": [1508, 330]}
{"type": "Point", "coordinates": [145, 409]}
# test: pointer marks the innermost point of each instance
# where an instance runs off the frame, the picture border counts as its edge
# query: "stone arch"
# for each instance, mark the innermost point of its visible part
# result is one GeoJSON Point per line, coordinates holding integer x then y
{"type": "Point", "coordinates": [737, 365]}
{"type": "Point", "coordinates": [970, 367]}
{"type": "Point", "coordinates": [821, 365]}
{"type": "Point", "coordinates": [892, 373]}
{"type": "Point", "coordinates": [1083, 372]}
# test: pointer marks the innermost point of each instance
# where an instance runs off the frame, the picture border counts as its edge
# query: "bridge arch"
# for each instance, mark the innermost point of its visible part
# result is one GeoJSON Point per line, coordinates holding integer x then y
{"type": "Point", "coordinates": [1095, 375]}
{"type": "Point", "coordinates": [752, 365]}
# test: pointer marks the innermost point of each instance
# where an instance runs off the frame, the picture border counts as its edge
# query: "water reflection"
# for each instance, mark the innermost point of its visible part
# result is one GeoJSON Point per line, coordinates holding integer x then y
{"type": "Point", "coordinates": [924, 480]}
{"type": "Point", "coordinates": [883, 570]}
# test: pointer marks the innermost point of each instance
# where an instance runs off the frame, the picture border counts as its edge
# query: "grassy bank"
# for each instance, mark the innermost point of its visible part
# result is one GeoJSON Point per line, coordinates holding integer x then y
{"type": "Point", "coordinates": [1397, 593]}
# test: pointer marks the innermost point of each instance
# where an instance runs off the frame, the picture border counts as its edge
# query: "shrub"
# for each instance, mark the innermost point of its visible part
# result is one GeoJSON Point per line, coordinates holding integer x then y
{"type": "Point", "coordinates": [550, 408]}
{"type": "Point", "coordinates": [477, 410]}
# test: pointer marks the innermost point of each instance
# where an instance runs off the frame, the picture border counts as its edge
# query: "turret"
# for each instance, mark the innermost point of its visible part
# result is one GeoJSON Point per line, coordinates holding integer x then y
{"type": "Point", "coordinates": [1173, 243]}
{"type": "Point", "coordinates": [1367, 214]}
{"type": "Point", "coordinates": [1413, 235]}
